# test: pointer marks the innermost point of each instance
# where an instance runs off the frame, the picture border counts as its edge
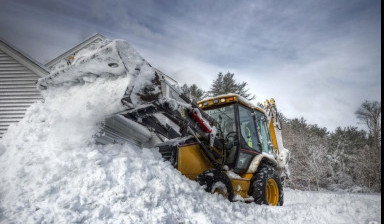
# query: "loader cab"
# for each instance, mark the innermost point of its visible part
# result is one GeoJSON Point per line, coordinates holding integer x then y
{"type": "Point", "coordinates": [241, 127]}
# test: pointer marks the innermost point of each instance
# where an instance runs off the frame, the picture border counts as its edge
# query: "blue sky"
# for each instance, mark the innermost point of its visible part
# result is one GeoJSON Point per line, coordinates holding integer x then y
{"type": "Point", "coordinates": [318, 59]}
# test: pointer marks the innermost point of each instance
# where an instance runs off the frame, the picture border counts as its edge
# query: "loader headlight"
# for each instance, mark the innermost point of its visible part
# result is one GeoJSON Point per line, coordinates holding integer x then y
{"type": "Point", "coordinates": [243, 161]}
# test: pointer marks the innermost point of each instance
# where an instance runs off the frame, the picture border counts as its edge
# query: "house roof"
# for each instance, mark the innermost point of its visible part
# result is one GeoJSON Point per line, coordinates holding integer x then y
{"type": "Point", "coordinates": [23, 58]}
{"type": "Point", "coordinates": [76, 48]}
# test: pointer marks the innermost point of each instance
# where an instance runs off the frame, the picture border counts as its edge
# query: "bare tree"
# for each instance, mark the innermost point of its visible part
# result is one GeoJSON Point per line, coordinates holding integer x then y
{"type": "Point", "coordinates": [310, 164]}
{"type": "Point", "coordinates": [369, 113]}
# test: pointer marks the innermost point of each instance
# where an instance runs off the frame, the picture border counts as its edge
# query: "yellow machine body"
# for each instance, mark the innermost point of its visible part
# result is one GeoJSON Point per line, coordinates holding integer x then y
{"type": "Point", "coordinates": [192, 162]}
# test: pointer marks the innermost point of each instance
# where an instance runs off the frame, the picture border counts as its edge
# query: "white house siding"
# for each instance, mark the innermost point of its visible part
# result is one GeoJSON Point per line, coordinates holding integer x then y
{"type": "Point", "coordinates": [17, 90]}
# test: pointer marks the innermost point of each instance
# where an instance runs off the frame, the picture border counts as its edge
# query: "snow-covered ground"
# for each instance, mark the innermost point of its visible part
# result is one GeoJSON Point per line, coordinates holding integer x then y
{"type": "Point", "coordinates": [52, 172]}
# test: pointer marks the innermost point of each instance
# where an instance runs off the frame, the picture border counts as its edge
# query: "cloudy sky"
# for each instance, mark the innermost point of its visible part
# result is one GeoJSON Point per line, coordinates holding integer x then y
{"type": "Point", "coordinates": [318, 59]}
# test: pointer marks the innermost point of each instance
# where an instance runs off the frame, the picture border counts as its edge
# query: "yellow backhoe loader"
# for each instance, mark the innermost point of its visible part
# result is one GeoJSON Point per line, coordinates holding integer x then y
{"type": "Point", "coordinates": [224, 143]}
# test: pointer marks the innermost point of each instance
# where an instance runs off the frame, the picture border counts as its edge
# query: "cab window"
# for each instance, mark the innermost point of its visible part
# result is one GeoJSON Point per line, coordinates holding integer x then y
{"type": "Point", "coordinates": [225, 117]}
{"type": "Point", "coordinates": [248, 129]}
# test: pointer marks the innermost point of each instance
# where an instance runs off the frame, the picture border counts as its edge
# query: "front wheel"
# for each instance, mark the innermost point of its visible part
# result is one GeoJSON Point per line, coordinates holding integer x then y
{"type": "Point", "coordinates": [266, 187]}
{"type": "Point", "coordinates": [215, 181]}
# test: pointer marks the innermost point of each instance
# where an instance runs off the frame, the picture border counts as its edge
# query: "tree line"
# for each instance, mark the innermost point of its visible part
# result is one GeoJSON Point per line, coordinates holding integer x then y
{"type": "Point", "coordinates": [345, 159]}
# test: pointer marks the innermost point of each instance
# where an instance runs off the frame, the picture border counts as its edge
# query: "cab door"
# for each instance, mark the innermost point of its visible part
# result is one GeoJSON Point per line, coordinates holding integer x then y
{"type": "Point", "coordinates": [263, 132]}
{"type": "Point", "coordinates": [249, 144]}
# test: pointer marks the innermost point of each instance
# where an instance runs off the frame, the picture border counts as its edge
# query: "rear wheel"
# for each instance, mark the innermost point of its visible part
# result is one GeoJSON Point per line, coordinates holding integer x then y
{"type": "Point", "coordinates": [215, 181]}
{"type": "Point", "coordinates": [266, 187]}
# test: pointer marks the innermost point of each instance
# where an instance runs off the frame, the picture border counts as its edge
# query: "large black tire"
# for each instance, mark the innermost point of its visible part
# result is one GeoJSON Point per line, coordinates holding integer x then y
{"type": "Point", "coordinates": [259, 186]}
{"type": "Point", "coordinates": [215, 180]}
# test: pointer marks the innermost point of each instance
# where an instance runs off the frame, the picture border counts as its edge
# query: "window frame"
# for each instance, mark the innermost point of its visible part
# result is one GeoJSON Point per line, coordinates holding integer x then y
{"type": "Point", "coordinates": [267, 132]}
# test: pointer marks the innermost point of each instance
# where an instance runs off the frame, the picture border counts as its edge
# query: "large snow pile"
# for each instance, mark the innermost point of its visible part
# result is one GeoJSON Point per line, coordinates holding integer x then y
{"type": "Point", "coordinates": [52, 172]}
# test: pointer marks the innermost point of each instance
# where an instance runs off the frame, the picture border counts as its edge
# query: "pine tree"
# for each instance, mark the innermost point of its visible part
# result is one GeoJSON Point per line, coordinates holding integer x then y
{"type": "Point", "coordinates": [193, 92]}
{"type": "Point", "coordinates": [225, 84]}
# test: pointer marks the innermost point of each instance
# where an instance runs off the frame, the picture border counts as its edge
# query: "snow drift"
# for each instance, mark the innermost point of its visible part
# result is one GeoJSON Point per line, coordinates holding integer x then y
{"type": "Point", "coordinates": [51, 171]}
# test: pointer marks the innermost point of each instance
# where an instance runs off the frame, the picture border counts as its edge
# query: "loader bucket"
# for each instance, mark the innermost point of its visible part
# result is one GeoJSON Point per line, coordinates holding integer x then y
{"type": "Point", "coordinates": [112, 60]}
{"type": "Point", "coordinates": [109, 59]}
